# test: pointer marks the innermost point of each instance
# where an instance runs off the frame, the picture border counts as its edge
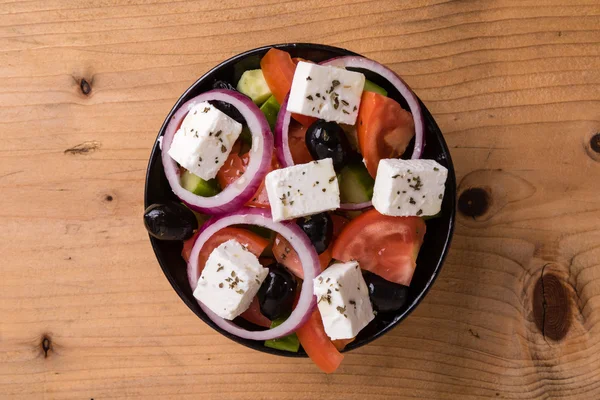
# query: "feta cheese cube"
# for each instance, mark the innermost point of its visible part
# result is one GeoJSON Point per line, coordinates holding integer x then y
{"type": "Point", "coordinates": [303, 189]}
{"type": "Point", "coordinates": [409, 187]}
{"type": "Point", "coordinates": [326, 92]}
{"type": "Point", "coordinates": [204, 140]}
{"type": "Point", "coordinates": [230, 280]}
{"type": "Point", "coordinates": [343, 300]}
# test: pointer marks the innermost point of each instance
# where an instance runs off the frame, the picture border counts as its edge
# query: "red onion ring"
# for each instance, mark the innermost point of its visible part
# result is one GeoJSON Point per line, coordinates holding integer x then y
{"type": "Point", "coordinates": [282, 148]}
{"type": "Point", "coordinates": [398, 83]}
{"type": "Point", "coordinates": [282, 144]}
{"type": "Point", "coordinates": [241, 191]}
{"type": "Point", "coordinates": [355, 206]}
{"type": "Point", "coordinates": [298, 240]}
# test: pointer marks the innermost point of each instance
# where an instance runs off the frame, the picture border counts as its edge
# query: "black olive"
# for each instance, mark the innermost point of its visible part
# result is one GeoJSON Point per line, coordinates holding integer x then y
{"type": "Point", "coordinates": [328, 140]}
{"type": "Point", "coordinates": [171, 221]}
{"type": "Point", "coordinates": [386, 296]}
{"type": "Point", "coordinates": [319, 229]}
{"type": "Point", "coordinates": [277, 292]}
{"type": "Point", "coordinates": [225, 107]}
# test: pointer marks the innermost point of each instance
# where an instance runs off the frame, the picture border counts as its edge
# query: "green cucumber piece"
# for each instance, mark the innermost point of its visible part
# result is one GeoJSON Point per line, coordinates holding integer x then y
{"type": "Point", "coordinates": [270, 108]}
{"type": "Point", "coordinates": [373, 87]}
{"type": "Point", "coordinates": [356, 185]}
{"type": "Point", "coordinates": [286, 343]}
{"type": "Point", "coordinates": [252, 83]}
{"type": "Point", "coordinates": [428, 217]}
{"type": "Point", "coordinates": [199, 186]}
{"type": "Point", "coordinates": [246, 136]}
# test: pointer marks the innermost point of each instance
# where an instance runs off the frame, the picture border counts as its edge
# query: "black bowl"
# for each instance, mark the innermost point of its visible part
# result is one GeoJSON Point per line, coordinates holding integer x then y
{"type": "Point", "coordinates": [439, 230]}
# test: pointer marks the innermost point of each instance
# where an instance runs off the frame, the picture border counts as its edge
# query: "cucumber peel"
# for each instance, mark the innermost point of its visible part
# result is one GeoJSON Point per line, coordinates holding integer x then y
{"type": "Point", "coordinates": [286, 343]}
{"type": "Point", "coordinates": [252, 83]}
{"type": "Point", "coordinates": [373, 87]}
{"type": "Point", "coordinates": [199, 186]}
{"type": "Point", "coordinates": [356, 185]}
{"type": "Point", "coordinates": [270, 108]}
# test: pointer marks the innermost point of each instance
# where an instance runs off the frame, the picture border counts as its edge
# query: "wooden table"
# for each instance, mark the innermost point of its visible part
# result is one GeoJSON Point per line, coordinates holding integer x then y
{"type": "Point", "coordinates": [86, 312]}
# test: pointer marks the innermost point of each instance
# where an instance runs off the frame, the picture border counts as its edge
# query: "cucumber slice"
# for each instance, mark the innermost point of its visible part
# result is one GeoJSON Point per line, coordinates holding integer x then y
{"type": "Point", "coordinates": [428, 217]}
{"type": "Point", "coordinates": [270, 108]}
{"type": "Point", "coordinates": [199, 186]}
{"type": "Point", "coordinates": [373, 87]}
{"type": "Point", "coordinates": [356, 185]}
{"type": "Point", "coordinates": [286, 343]}
{"type": "Point", "coordinates": [253, 84]}
{"type": "Point", "coordinates": [246, 136]}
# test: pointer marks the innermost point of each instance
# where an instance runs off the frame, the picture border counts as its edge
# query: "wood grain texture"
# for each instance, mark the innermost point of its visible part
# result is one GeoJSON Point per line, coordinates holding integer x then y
{"type": "Point", "coordinates": [85, 311]}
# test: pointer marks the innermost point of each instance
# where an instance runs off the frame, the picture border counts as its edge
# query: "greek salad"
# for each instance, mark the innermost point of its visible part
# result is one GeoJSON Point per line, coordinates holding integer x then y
{"type": "Point", "coordinates": [303, 199]}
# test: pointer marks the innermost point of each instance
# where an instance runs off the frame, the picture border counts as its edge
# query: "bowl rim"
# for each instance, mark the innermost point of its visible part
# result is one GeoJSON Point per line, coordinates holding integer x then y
{"type": "Point", "coordinates": [258, 345]}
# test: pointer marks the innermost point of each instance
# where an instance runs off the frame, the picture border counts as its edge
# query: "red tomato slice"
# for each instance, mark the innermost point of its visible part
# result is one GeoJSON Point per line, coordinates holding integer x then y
{"type": "Point", "coordinates": [278, 68]}
{"type": "Point", "coordinates": [339, 223]}
{"type": "Point", "coordinates": [253, 314]}
{"type": "Point", "coordinates": [384, 129]}
{"type": "Point", "coordinates": [317, 344]}
{"type": "Point", "coordinates": [387, 246]}
{"type": "Point", "coordinates": [234, 167]}
{"type": "Point", "coordinates": [287, 256]}
{"type": "Point", "coordinates": [255, 243]}
{"type": "Point", "coordinates": [296, 60]}
{"type": "Point", "coordinates": [187, 247]}
{"type": "Point", "coordinates": [341, 344]}
{"type": "Point", "coordinates": [297, 143]}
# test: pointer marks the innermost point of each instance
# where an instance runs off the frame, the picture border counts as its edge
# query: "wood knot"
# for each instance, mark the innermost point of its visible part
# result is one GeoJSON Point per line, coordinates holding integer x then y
{"type": "Point", "coordinates": [595, 143]}
{"type": "Point", "coordinates": [85, 87]}
{"type": "Point", "coordinates": [551, 307]}
{"type": "Point", "coordinates": [46, 345]}
{"type": "Point", "coordinates": [474, 202]}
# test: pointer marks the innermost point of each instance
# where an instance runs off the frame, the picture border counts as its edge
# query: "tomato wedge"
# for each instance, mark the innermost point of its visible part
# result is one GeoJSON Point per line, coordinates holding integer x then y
{"type": "Point", "coordinates": [255, 243]}
{"type": "Point", "coordinates": [297, 143]}
{"type": "Point", "coordinates": [234, 167]}
{"type": "Point", "coordinates": [278, 69]}
{"type": "Point", "coordinates": [341, 344]}
{"type": "Point", "coordinates": [384, 129]}
{"type": "Point", "coordinates": [387, 246]}
{"type": "Point", "coordinates": [187, 247]}
{"type": "Point", "coordinates": [253, 314]}
{"type": "Point", "coordinates": [317, 344]}
{"type": "Point", "coordinates": [287, 256]}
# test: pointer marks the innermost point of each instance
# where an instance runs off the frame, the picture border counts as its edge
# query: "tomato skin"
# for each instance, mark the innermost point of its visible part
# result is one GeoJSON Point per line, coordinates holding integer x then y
{"type": "Point", "coordinates": [341, 344]}
{"type": "Point", "coordinates": [297, 143]}
{"type": "Point", "coordinates": [317, 344]}
{"type": "Point", "coordinates": [187, 246]}
{"type": "Point", "coordinates": [287, 256]}
{"type": "Point", "coordinates": [387, 246]}
{"type": "Point", "coordinates": [278, 69]}
{"type": "Point", "coordinates": [384, 129]}
{"type": "Point", "coordinates": [234, 167]}
{"type": "Point", "coordinates": [255, 243]}
{"type": "Point", "coordinates": [253, 314]}
{"type": "Point", "coordinates": [339, 223]}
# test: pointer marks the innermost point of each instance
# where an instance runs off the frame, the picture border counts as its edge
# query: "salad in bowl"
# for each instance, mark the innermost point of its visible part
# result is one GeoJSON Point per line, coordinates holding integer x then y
{"type": "Point", "coordinates": [300, 199]}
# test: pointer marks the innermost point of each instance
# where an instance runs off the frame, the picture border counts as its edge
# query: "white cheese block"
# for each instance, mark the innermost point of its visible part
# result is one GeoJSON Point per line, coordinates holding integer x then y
{"type": "Point", "coordinates": [343, 300]}
{"type": "Point", "coordinates": [409, 187]}
{"type": "Point", "coordinates": [204, 140]}
{"type": "Point", "coordinates": [230, 280]}
{"type": "Point", "coordinates": [303, 189]}
{"type": "Point", "coordinates": [326, 92]}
